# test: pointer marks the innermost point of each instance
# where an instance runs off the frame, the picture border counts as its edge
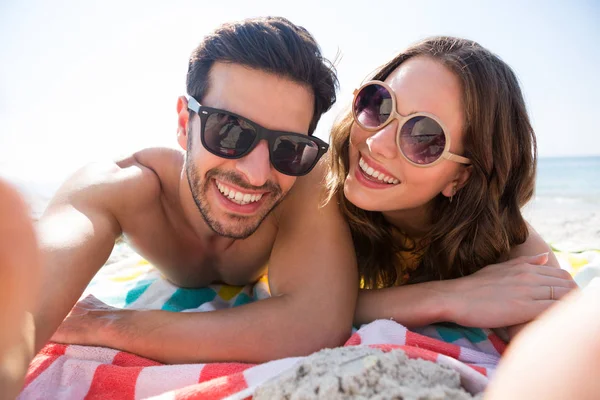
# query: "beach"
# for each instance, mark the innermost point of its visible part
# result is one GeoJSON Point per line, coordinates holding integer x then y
{"type": "Point", "coordinates": [565, 223]}
{"type": "Point", "coordinates": [566, 206]}
{"type": "Point", "coordinates": [565, 209]}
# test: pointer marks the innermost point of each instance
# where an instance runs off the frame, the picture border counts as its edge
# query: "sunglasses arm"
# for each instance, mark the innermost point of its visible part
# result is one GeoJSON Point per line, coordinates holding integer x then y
{"type": "Point", "coordinates": [193, 104]}
{"type": "Point", "coordinates": [456, 158]}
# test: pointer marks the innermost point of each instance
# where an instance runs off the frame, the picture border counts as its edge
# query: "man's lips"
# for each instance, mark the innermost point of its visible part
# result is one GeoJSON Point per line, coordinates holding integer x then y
{"type": "Point", "coordinates": [237, 204]}
{"type": "Point", "coordinates": [238, 195]}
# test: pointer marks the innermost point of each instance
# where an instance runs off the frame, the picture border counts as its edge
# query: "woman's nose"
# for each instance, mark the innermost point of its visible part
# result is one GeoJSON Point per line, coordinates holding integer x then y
{"type": "Point", "coordinates": [382, 143]}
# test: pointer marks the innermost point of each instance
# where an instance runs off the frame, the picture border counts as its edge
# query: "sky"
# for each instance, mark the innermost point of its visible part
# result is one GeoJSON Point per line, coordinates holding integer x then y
{"type": "Point", "coordinates": [83, 80]}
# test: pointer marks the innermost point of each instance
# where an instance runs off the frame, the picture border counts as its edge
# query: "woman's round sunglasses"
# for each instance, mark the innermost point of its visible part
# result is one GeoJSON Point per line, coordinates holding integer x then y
{"type": "Point", "coordinates": [232, 136]}
{"type": "Point", "coordinates": [421, 137]}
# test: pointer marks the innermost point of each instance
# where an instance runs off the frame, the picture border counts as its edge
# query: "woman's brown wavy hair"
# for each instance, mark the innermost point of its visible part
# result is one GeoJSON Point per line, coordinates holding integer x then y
{"type": "Point", "coordinates": [484, 220]}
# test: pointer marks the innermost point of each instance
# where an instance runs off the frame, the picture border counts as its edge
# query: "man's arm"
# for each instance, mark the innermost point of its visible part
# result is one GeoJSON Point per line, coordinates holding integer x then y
{"type": "Point", "coordinates": [77, 233]}
{"type": "Point", "coordinates": [313, 280]}
{"type": "Point", "coordinates": [556, 356]}
{"type": "Point", "coordinates": [19, 282]}
{"type": "Point", "coordinates": [499, 295]}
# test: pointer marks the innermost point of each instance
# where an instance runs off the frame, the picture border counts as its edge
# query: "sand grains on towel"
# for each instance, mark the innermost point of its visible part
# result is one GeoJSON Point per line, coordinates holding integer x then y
{"type": "Point", "coordinates": [360, 372]}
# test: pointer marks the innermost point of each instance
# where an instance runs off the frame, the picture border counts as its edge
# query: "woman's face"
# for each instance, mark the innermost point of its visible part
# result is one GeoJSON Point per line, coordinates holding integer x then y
{"type": "Point", "coordinates": [420, 84]}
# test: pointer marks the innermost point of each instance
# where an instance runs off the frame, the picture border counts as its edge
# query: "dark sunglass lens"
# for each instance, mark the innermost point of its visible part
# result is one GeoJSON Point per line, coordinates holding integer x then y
{"type": "Point", "coordinates": [227, 135]}
{"type": "Point", "coordinates": [372, 106]}
{"type": "Point", "coordinates": [422, 140]}
{"type": "Point", "coordinates": [293, 155]}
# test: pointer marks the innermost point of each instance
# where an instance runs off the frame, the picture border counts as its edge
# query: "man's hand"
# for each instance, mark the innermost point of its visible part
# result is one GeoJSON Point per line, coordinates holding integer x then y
{"type": "Point", "coordinates": [556, 356]}
{"type": "Point", "coordinates": [89, 323]}
{"type": "Point", "coordinates": [20, 265]}
{"type": "Point", "coordinates": [509, 293]}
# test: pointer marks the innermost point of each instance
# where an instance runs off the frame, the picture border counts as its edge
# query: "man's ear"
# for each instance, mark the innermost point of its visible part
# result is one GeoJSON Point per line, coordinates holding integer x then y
{"type": "Point", "coordinates": [182, 121]}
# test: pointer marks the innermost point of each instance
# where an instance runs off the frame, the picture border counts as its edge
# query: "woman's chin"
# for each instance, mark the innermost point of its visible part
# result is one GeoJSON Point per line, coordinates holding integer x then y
{"type": "Point", "coordinates": [360, 199]}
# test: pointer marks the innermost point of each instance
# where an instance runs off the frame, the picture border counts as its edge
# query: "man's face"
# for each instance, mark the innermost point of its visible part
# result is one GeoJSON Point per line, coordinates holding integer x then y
{"type": "Point", "coordinates": [234, 196]}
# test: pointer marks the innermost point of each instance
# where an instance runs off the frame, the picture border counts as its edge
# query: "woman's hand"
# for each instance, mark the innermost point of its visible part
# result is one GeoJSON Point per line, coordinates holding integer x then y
{"type": "Point", "coordinates": [509, 293]}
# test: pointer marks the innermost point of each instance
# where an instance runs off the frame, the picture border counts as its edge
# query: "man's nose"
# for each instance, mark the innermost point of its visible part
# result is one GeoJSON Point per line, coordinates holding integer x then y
{"type": "Point", "coordinates": [256, 165]}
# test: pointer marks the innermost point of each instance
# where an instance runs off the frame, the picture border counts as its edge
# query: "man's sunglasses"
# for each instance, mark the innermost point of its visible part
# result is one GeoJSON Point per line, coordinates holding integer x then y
{"type": "Point", "coordinates": [232, 136]}
{"type": "Point", "coordinates": [421, 137]}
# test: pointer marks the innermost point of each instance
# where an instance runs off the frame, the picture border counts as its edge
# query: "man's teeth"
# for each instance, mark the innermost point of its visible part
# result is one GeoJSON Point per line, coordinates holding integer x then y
{"type": "Point", "coordinates": [238, 197]}
{"type": "Point", "coordinates": [376, 174]}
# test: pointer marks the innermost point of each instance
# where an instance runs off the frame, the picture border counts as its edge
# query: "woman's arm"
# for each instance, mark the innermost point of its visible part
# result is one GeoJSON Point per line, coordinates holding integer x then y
{"type": "Point", "coordinates": [500, 295]}
{"type": "Point", "coordinates": [534, 245]}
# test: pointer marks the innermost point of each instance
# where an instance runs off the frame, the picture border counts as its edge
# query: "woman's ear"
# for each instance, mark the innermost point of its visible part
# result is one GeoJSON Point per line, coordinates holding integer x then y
{"type": "Point", "coordinates": [463, 176]}
{"type": "Point", "coordinates": [459, 181]}
{"type": "Point", "coordinates": [182, 121]}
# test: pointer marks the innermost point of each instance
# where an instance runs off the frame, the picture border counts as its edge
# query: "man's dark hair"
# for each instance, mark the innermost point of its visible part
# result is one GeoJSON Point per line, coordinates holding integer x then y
{"type": "Point", "coordinates": [270, 44]}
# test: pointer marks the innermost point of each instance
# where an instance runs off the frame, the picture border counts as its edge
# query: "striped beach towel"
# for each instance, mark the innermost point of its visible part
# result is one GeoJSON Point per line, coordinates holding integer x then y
{"type": "Point", "coordinates": [86, 372]}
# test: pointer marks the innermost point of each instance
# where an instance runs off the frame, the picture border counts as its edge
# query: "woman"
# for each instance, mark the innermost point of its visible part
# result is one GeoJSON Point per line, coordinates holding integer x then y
{"type": "Point", "coordinates": [431, 167]}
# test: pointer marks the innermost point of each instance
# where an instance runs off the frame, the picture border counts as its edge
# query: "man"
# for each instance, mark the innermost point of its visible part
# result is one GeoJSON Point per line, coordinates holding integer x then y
{"type": "Point", "coordinates": [19, 275]}
{"type": "Point", "coordinates": [556, 356]}
{"type": "Point", "coordinates": [235, 201]}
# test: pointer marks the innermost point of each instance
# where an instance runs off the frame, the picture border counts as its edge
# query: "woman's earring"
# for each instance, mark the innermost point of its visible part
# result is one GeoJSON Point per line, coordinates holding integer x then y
{"type": "Point", "coordinates": [453, 191]}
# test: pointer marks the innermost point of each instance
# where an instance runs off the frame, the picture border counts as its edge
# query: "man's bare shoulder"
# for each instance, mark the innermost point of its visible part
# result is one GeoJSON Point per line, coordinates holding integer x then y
{"type": "Point", "coordinates": [307, 198]}
{"type": "Point", "coordinates": [164, 162]}
{"type": "Point", "coordinates": [127, 182]}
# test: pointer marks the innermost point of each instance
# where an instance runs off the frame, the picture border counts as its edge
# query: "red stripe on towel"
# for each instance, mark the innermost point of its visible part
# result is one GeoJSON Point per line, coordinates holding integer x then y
{"type": "Point", "coordinates": [481, 370]}
{"type": "Point", "coordinates": [214, 389]}
{"type": "Point", "coordinates": [212, 371]}
{"type": "Point", "coordinates": [411, 352]}
{"type": "Point", "coordinates": [415, 352]}
{"type": "Point", "coordinates": [124, 359]}
{"type": "Point", "coordinates": [43, 360]}
{"type": "Point", "coordinates": [113, 382]}
{"type": "Point", "coordinates": [498, 343]}
{"type": "Point", "coordinates": [385, 347]}
{"type": "Point", "coordinates": [416, 340]}
{"type": "Point", "coordinates": [354, 340]}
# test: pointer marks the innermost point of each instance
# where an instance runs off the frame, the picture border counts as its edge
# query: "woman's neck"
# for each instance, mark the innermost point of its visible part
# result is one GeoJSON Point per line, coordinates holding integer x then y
{"type": "Point", "coordinates": [414, 223]}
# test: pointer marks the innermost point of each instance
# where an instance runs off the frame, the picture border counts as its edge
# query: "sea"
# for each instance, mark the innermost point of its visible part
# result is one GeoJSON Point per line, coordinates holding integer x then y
{"type": "Point", "coordinates": [569, 178]}
{"type": "Point", "coordinates": [565, 209]}
{"type": "Point", "coordinates": [566, 206]}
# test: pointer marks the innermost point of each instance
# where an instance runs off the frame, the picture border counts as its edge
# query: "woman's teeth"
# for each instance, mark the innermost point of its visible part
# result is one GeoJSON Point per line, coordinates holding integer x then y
{"type": "Point", "coordinates": [238, 197]}
{"type": "Point", "coordinates": [376, 174]}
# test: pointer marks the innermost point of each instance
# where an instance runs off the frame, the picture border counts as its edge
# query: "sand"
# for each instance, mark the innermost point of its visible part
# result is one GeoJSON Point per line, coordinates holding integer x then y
{"type": "Point", "coordinates": [567, 224]}
{"type": "Point", "coordinates": [360, 372]}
